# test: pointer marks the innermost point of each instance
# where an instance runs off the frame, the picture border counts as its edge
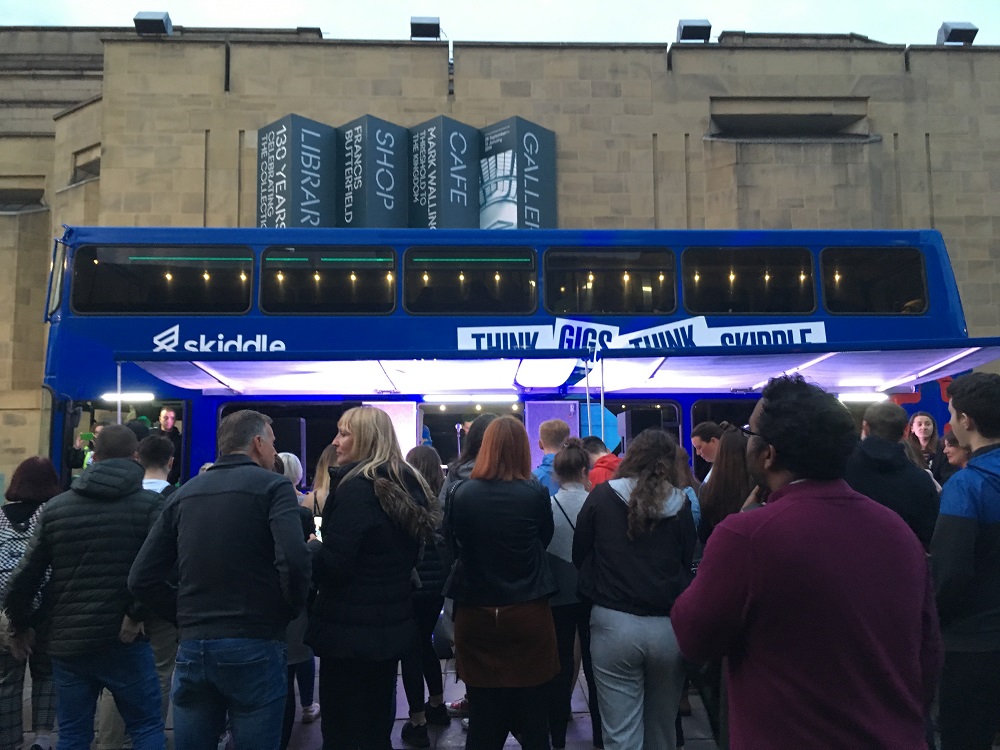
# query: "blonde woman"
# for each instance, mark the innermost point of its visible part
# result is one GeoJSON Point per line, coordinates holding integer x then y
{"type": "Point", "coordinates": [316, 499]}
{"type": "Point", "coordinates": [379, 512]}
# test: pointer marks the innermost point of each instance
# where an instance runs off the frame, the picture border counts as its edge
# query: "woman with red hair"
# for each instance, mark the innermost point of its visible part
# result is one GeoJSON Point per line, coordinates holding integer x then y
{"type": "Point", "coordinates": [498, 524]}
{"type": "Point", "coordinates": [34, 482]}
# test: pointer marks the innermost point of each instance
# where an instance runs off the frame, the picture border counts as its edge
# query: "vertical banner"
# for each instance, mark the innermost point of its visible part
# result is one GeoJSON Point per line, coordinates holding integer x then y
{"type": "Point", "coordinates": [373, 185]}
{"type": "Point", "coordinates": [296, 174]}
{"type": "Point", "coordinates": [518, 176]}
{"type": "Point", "coordinates": [444, 175]}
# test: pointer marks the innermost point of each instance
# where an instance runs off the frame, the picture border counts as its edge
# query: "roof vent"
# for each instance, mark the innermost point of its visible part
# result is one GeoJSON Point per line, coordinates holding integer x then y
{"type": "Point", "coordinates": [693, 30]}
{"type": "Point", "coordinates": [153, 23]}
{"type": "Point", "coordinates": [957, 32]}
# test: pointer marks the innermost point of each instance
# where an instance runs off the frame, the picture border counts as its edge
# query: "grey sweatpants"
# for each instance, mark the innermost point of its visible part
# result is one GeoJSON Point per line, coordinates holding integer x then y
{"type": "Point", "coordinates": [639, 673]}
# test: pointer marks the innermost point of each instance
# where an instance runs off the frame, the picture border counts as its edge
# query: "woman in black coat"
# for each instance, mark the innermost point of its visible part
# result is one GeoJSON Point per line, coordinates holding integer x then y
{"type": "Point", "coordinates": [498, 524]}
{"type": "Point", "coordinates": [377, 515]}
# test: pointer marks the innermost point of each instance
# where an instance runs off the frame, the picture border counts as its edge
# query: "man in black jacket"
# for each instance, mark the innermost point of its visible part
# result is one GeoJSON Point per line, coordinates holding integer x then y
{"type": "Point", "coordinates": [234, 536]}
{"type": "Point", "coordinates": [88, 537]}
{"type": "Point", "coordinates": [880, 469]}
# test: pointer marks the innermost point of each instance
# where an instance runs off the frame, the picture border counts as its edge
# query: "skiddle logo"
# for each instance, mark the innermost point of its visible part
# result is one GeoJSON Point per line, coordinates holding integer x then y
{"type": "Point", "coordinates": [167, 341]}
{"type": "Point", "coordinates": [170, 339]}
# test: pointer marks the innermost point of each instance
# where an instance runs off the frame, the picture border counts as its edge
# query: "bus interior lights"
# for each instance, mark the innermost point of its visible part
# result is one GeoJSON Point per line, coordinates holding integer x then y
{"type": "Point", "coordinates": [388, 277]}
{"type": "Point", "coordinates": [168, 276]}
{"type": "Point", "coordinates": [496, 276]}
{"type": "Point", "coordinates": [316, 276]}
{"type": "Point", "coordinates": [281, 276]}
{"type": "Point", "coordinates": [471, 398]}
{"type": "Point", "coordinates": [461, 276]}
{"type": "Point", "coordinates": [128, 396]}
{"type": "Point", "coordinates": [861, 398]}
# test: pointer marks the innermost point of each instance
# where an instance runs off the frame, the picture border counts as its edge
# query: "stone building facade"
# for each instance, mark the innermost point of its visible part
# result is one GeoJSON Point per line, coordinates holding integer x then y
{"type": "Point", "coordinates": [102, 126]}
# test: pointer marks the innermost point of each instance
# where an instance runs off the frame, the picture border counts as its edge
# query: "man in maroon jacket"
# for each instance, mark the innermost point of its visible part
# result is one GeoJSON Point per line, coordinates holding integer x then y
{"type": "Point", "coordinates": [821, 599]}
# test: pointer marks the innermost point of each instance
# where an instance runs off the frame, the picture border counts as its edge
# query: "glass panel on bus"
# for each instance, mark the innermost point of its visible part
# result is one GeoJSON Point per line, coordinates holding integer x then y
{"type": "Point", "coordinates": [330, 280]}
{"type": "Point", "coordinates": [56, 274]}
{"type": "Point", "coordinates": [874, 280]}
{"type": "Point", "coordinates": [609, 281]}
{"type": "Point", "coordinates": [725, 280]}
{"type": "Point", "coordinates": [469, 280]}
{"type": "Point", "coordinates": [161, 280]}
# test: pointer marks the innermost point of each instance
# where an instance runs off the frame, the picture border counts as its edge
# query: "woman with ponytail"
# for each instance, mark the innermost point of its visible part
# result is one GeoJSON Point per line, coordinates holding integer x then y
{"type": "Point", "coordinates": [633, 546]}
{"type": "Point", "coordinates": [378, 513]}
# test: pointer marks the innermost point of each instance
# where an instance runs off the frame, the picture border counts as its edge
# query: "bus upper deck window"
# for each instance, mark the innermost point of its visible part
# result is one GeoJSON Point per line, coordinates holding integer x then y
{"type": "Point", "coordinates": [733, 280]}
{"type": "Point", "coordinates": [874, 280]}
{"type": "Point", "coordinates": [122, 279]}
{"type": "Point", "coordinates": [610, 281]}
{"type": "Point", "coordinates": [469, 280]}
{"type": "Point", "coordinates": [344, 280]}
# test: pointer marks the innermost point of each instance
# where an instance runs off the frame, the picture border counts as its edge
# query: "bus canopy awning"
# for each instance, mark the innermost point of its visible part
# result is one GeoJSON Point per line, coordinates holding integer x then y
{"type": "Point", "coordinates": [892, 367]}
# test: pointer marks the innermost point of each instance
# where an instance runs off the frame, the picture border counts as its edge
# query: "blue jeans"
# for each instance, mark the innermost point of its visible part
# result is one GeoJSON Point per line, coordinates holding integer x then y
{"type": "Point", "coordinates": [244, 677]}
{"type": "Point", "coordinates": [128, 671]}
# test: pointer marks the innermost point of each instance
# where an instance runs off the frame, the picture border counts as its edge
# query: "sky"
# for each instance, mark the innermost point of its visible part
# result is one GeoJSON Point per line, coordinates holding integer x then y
{"type": "Point", "coordinates": [646, 21]}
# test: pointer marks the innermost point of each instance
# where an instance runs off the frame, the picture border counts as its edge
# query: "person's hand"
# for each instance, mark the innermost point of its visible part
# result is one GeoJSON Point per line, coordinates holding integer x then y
{"type": "Point", "coordinates": [130, 630]}
{"type": "Point", "coordinates": [756, 497]}
{"type": "Point", "coordinates": [22, 644]}
{"type": "Point", "coordinates": [78, 443]}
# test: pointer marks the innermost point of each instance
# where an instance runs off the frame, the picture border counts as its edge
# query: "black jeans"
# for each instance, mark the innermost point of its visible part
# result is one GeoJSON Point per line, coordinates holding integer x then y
{"type": "Point", "coordinates": [570, 620]}
{"type": "Point", "coordinates": [495, 712]}
{"type": "Point", "coordinates": [356, 698]}
{"type": "Point", "coordinates": [422, 662]}
{"type": "Point", "coordinates": [970, 700]}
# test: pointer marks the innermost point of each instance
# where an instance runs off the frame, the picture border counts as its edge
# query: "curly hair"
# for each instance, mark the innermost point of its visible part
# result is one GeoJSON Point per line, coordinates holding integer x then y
{"type": "Point", "coordinates": [651, 459]}
{"type": "Point", "coordinates": [812, 432]}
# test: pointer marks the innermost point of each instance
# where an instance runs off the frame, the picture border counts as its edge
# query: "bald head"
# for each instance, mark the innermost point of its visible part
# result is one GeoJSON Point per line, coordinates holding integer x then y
{"type": "Point", "coordinates": [886, 420]}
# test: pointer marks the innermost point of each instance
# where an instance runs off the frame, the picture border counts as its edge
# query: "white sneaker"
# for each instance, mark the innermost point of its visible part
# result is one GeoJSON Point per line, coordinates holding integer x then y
{"type": "Point", "coordinates": [224, 741]}
{"type": "Point", "coordinates": [310, 713]}
{"type": "Point", "coordinates": [465, 725]}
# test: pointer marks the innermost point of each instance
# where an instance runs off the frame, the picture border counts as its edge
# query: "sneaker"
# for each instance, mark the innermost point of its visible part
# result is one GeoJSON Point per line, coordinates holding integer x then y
{"type": "Point", "coordinates": [459, 708]}
{"type": "Point", "coordinates": [465, 725]}
{"type": "Point", "coordinates": [415, 735]}
{"type": "Point", "coordinates": [437, 715]}
{"type": "Point", "coordinates": [310, 713]}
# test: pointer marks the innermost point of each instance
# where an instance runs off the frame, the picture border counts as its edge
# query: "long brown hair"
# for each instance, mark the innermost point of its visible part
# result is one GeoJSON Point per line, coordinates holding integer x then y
{"type": "Point", "coordinates": [321, 482]}
{"type": "Point", "coordinates": [685, 476]}
{"type": "Point", "coordinates": [650, 459]}
{"type": "Point", "coordinates": [426, 460]}
{"type": "Point", "coordinates": [926, 454]}
{"type": "Point", "coordinates": [505, 454]}
{"type": "Point", "coordinates": [729, 484]}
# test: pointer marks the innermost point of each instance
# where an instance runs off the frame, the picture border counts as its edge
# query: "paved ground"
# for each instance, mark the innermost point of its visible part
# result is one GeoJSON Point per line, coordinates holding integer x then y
{"type": "Point", "coordinates": [696, 729]}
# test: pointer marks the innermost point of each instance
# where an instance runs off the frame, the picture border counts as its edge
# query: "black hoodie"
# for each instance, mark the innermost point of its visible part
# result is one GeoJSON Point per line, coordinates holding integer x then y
{"type": "Point", "coordinates": [880, 469]}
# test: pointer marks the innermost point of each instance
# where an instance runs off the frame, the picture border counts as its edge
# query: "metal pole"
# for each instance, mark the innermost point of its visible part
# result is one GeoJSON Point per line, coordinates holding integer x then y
{"type": "Point", "coordinates": [602, 400]}
{"type": "Point", "coordinates": [119, 394]}
{"type": "Point", "coordinates": [586, 366]}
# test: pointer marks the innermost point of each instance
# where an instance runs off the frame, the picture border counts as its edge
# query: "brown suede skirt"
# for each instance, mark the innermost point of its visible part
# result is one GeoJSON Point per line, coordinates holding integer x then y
{"type": "Point", "coordinates": [505, 647]}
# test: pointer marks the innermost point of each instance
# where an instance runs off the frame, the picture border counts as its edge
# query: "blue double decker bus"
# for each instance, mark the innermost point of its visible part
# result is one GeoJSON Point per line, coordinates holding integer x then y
{"type": "Point", "coordinates": [611, 330]}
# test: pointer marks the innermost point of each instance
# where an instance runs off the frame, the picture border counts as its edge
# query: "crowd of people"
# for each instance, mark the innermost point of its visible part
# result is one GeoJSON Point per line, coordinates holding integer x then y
{"type": "Point", "coordinates": [816, 589]}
